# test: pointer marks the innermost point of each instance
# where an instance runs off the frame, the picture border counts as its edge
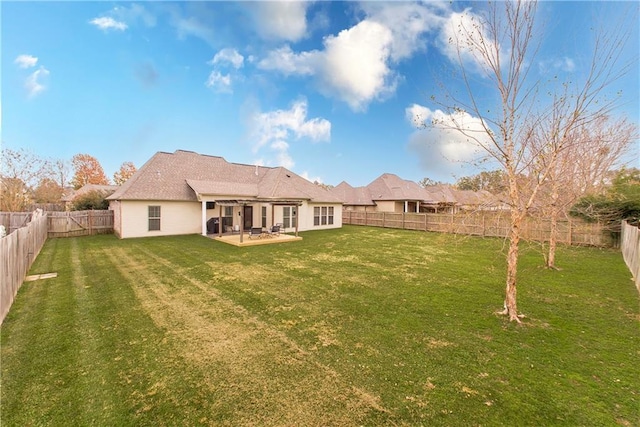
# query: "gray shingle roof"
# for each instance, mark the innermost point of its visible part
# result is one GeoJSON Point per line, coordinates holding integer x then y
{"type": "Point", "coordinates": [87, 188]}
{"type": "Point", "coordinates": [354, 196]}
{"type": "Point", "coordinates": [391, 187]}
{"type": "Point", "coordinates": [178, 176]}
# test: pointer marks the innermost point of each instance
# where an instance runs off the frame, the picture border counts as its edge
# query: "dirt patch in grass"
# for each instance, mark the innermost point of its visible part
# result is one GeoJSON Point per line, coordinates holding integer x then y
{"type": "Point", "coordinates": [252, 367]}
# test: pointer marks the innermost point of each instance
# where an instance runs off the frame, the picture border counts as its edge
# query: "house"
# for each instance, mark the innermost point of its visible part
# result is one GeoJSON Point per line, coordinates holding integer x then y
{"type": "Point", "coordinates": [390, 193]}
{"type": "Point", "coordinates": [387, 193]}
{"type": "Point", "coordinates": [70, 194]}
{"type": "Point", "coordinates": [354, 198]}
{"type": "Point", "coordinates": [188, 193]}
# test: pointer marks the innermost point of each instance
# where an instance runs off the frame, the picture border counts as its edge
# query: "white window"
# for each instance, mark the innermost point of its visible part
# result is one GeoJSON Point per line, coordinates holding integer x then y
{"type": "Point", "coordinates": [154, 218]}
{"type": "Point", "coordinates": [323, 215]}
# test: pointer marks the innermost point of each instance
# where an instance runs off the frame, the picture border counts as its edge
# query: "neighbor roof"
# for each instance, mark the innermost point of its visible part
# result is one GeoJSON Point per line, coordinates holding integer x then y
{"type": "Point", "coordinates": [87, 188]}
{"type": "Point", "coordinates": [183, 175]}
{"type": "Point", "coordinates": [354, 196]}
{"type": "Point", "coordinates": [391, 187]}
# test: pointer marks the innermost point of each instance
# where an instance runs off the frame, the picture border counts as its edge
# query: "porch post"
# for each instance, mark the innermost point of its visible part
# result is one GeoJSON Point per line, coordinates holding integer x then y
{"type": "Point", "coordinates": [219, 220]}
{"type": "Point", "coordinates": [273, 215]}
{"type": "Point", "coordinates": [418, 206]}
{"type": "Point", "coordinates": [241, 221]}
{"type": "Point", "coordinates": [204, 218]}
{"type": "Point", "coordinates": [296, 217]}
{"type": "Point", "coordinates": [406, 206]}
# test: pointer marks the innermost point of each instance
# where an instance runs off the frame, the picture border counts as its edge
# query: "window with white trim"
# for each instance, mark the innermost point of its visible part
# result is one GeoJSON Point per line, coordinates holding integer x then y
{"type": "Point", "coordinates": [154, 218]}
{"type": "Point", "coordinates": [288, 216]}
{"type": "Point", "coordinates": [323, 215]}
{"type": "Point", "coordinates": [264, 216]}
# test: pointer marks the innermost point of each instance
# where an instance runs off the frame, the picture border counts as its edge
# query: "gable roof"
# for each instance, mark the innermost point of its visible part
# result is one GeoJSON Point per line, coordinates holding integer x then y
{"type": "Point", "coordinates": [391, 187]}
{"type": "Point", "coordinates": [183, 175]}
{"type": "Point", "coordinates": [87, 188]}
{"type": "Point", "coordinates": [355, 196]}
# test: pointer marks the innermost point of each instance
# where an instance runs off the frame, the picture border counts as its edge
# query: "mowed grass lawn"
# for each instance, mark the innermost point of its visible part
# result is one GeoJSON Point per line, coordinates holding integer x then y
{"type": "Point", "coordinates": [357, 326]}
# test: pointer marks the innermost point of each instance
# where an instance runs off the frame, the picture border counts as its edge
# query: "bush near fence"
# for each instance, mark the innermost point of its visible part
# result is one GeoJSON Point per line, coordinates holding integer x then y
{"type": "Point", "coordinates": [489, 224]}
{"type": "Point", "coordinates": [18, 250]}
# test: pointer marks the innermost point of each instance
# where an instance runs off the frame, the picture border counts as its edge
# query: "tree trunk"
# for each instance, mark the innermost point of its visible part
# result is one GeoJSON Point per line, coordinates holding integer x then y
{"type": "Point", "coordinates": [553, 232]}
{"type": "Point", "coordinates": [510, 301]}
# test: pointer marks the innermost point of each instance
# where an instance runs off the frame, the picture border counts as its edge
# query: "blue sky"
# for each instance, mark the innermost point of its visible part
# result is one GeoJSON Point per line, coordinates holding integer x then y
{"type": "Point", "coordinates": [326, 89]}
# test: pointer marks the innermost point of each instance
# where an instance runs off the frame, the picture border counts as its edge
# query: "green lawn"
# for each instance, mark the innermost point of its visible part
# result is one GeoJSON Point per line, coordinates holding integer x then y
{"type": "Point", "coordinates": [357, 326]}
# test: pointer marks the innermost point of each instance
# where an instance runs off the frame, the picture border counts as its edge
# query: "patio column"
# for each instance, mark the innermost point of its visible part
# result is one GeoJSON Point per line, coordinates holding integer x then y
{"type": "Point", "coordinates": [418, 206]}
{"type": "Point", "coordinates": [241, 222]}
{"type": "Point", "coordinates": [406, 206]}
{"type": "Point", "coordinates": [204, 218]}
{"type": "Point", "coordinates": [219, 220]}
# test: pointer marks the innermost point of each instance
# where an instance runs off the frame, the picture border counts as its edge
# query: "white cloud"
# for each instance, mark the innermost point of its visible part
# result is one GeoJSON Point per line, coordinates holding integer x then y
{"type": "Point", "coordinates": [355, 65]}
{"type": "Point", "coordinates": [559, 64]}
{"type": "Point", "coordinates": [306, 176]}
{"type": "Point", "coordinates": [460, 35]}
{"type": "Point", "coordinates": [407, 22]}
{"type": "Point", "coordinates": [441, 148]}
{"type": "Point", "coordinates": [26, 61]}
{"type": "Point", "coordinates": [134, 13]}
{"type": "Point", "coordinates": [219, 82]}
{"type": "Point", "coordinates": [228, 55]}
{"type": "Point", "coordinates": [280, 20]}
{"type": "Point", "coordinates": [34, 83]}
{"type": "Point", "coordinates": [288, 62]}
{"type": "Point", "coordinates": [276, 129]}
{"type": "Point", "coordinates": [106, 23]}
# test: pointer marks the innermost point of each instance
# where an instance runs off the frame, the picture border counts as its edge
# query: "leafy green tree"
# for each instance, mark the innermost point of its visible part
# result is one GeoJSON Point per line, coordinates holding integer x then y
{"type": "Point", "coordinates": [493, 181]}
{"type": "Point", "coordinates": [621, 201]}
{"type": "Point", "coordinates": [92, 200]}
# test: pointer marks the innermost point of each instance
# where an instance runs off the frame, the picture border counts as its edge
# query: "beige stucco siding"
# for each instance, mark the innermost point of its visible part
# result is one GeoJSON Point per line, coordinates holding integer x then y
{"type": "Point", "coordinates": [386, 206]}
{"type": "Point", "coordinates": [175, 218]}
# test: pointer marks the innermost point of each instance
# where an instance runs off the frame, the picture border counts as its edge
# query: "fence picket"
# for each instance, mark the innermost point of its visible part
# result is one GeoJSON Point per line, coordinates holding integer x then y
{"type": "Point", "coordinates": [573, 232]}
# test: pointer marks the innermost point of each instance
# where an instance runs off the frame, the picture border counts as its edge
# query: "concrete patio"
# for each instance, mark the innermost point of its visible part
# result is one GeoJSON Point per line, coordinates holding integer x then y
{"type": "Point", "coordinates": [234, 239]}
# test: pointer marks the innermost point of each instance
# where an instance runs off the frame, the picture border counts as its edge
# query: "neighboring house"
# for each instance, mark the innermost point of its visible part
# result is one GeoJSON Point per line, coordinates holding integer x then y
{"type": "Point", "coordinates": [390, 193]}
{"type": "Point", "coordinates": [354, 198]}
{"type": "Point", "coordinates": [70, 194]}
{"type": "Point", "coordinates": [188, 193]}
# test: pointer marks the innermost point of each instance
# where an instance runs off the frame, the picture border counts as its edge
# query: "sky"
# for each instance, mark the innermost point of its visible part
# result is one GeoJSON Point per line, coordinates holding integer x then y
{"type": "Point", "coordinates": [329, 90]}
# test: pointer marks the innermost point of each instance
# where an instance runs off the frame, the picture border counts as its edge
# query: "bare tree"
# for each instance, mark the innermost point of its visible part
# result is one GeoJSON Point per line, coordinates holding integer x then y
{"type": "Point", "coordinates": [501, 44]}
{"type": "Point", "coordinates": [592, 151]}
{"type": "Point", "coordinates": [19, 173]}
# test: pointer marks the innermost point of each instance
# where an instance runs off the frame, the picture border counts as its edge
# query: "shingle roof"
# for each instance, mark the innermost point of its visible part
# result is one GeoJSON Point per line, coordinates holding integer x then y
{"type": "Point", "coordinates": [391, 187]}
{"type": "Point", "coordinates": [355, 196]}
{"type": "Point", "coordinates": [180, 175]}
{"type": "Point", "coordinates": [87, 188]}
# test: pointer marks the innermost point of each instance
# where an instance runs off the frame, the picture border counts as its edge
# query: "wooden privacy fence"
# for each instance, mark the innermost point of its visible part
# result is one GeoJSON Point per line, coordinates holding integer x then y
{"type": "Point", "coordinates": [18, 250]}
{"type": "Point", "coordinates": [489, 224]}
{"type": "Point", "coordinates": [14, 220]}
{"type": "Point", "coordinates": [80, 223]}
{"type": "Point", "coordinates": [630, 246]}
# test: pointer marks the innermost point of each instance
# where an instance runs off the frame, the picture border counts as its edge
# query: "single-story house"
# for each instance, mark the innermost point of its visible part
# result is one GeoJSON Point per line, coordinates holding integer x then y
{"type": "Point", "coordinates": [390, 193]}
{"type": "Point", "coordinates": [190, 193]}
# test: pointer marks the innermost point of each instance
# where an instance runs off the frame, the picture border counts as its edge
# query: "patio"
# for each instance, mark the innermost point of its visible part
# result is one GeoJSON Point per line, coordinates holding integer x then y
{"type": "Point", "coordinates": [234, 239]}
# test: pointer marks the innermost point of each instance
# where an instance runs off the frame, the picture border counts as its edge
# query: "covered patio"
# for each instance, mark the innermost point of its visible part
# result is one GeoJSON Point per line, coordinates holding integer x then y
{"type": "Point", "coordinates": [243, 239]}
